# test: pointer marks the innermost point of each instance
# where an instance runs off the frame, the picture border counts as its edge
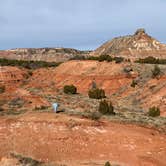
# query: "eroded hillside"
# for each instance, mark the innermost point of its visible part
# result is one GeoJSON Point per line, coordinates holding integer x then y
{"type": "Point", "coordinates": [139, 45]}
{"type": "Point", "coordinates": [80, 133]}
{"type": "Point", "coordinates": [111, 77]}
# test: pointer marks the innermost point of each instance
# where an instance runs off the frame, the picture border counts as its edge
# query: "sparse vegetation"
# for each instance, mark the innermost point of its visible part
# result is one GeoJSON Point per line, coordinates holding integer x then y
{"type": "Point", "coordinates": [2, 102]}
{"type": "Point", "coordinates": [96, 93]}
{"type": "Point", "coordinates": [107, 163]}
{"type": "Point", "coordinates": [2, 89]}
{"type": "Point", "coordinates": [107, 58]}
{"type": "Point", "coordinates": [30, 73]}
{"type": "Point", "coordinates": [92, 58]}
{"type": "Point", "coordinates": [151, 60]}
{"type": "Point", "coordinates": [16, 103]}
{"type": "Point", "coordinates": [133, 84]}
{"type": "Point", "coordinates": [70, 89]}
{"type": "Point", "coordinates": [93, 116]}
{"type": "Point", "coordinates": [127, 69]}
{"type": "Point", "coordinates": [154, 111]}
{"type": "Point", "coordinates": [118, 59]}
{"type": "Point", "coordinates": [1, 109]}
{"type": "Point", "coordinates": [78, 57]}
{"type": "Point", "coordinates": [39, 108]}
{"type": "Point", "coordinates": [28, 64]}
{"type": "Point", "coordinates": [26, 160]}
{"type": "Point", "coordinates": [106, 108]}
{"type": "Point", "coordinates": [156, 71]}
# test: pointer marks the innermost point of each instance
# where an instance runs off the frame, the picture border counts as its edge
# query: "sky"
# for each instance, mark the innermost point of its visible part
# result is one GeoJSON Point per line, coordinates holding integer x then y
{"type": "Point", "coordinates": [80, 24]}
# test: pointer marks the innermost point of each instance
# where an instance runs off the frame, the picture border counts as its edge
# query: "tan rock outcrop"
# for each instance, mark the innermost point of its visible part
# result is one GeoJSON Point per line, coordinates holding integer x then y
{"type": "Point", "coordinates": [139, 45]}
{"type": "Point", "coordinates": [42, 54]}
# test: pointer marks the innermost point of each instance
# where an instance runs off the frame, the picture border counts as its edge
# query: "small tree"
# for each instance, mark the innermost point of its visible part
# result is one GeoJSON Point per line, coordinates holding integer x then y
{"type": "Point", "coordinates": [106, 108]}
{"type": "Point", "coordinates": [107, 163]}
{"type": "Point", "coordinates": [133, 84]}
{"type": "Point", "coordinates": [1, 109]}
{"type": "Point", "coordinates": [156, 71]}
{"type": "Point", "coordinates": [154, 111]}
{"type": "Point", "coordinates": [105, 58]}
{"type": "Point", "coordinates": [118, 59]}
{"type": "Point", "coordinates": [96, 93]}
{"type": "Point", "coordinates": [70, 89]}
{"type": "Point", "coordinates": [2, 89]}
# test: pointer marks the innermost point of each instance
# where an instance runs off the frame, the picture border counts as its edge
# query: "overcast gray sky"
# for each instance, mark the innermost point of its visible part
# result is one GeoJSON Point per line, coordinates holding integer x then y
{"type": "Point", "coordinates": [81, 24]}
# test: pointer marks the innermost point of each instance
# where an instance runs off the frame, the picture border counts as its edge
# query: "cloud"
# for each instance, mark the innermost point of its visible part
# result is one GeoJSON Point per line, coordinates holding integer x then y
{"type": "Point", "coordinates": [76, 23]}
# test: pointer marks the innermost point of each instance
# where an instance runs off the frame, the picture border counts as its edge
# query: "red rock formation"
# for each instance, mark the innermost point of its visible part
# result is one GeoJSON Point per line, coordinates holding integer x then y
{"type": "Point", "coordinates": [109, 76]}
{"type": "Point", "coordinates": [12, 78]}
{"type": "Point", "coordinates": [11, 75]}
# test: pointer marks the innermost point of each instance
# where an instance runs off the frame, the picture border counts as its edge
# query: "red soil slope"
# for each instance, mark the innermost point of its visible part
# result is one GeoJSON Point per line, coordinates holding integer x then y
{"type": "Point", "coordinates": [73, 141]}
{"type": "Point", "coordinates": [11, 75]}
{"type": "Point", "coordinates": [13, 78]}
{"type": "Point", "coordinates": [108, 76]}
{"type": "Point", "coordinates": [155, 94]}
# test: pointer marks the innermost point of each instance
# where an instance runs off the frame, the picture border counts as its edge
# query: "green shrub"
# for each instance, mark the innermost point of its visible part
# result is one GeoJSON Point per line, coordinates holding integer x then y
{"type": "Point", "coordinates": [151, 60]}
{"type": "Point", "coordinates": [2, 89]}
{"type": "Point", "coordinates": [107, 163]}
{"type": "Point", "coordinates": [154, 111]}
{"type": "Point", "coordinates": [92, 58]}
{"type": "Point", "coordinates": [78, 57]}
{"type": "Point", "coordinates": [156, 71]}
{"type": "Point", "coordinates": [41, 107]}
{"type": "Point", "coordinates": [96, 93]}
{"type": "Point", "coordinates": [28, 64]}
{"type": "Point", "coordinates": [133, 84]}
{"type": "Point", "coordinates": [70, 89]}
{"type": "Point", "coordinates": [26, 160]}
{"type": "Point", "coordinates": [106, 108]}
{"type": "Point", "coordinates": [118, 59]}
{"type": "Point", "coordinates": [105, 58]}
{"type": "Point", "coordinates": [1, 109]}
{"type": "Point", "coordinates": [30, 73]}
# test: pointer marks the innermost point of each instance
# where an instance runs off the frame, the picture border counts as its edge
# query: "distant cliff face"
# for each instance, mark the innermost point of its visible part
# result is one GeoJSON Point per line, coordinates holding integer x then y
{"type": "Point", "coordinates": [42, 54]}
{"type": "Point", "coordinates": [139, 45]}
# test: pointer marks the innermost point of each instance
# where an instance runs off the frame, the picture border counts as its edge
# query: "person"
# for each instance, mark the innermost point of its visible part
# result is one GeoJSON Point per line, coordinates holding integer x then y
{"type": "Point", "coordinates": [55, 107]}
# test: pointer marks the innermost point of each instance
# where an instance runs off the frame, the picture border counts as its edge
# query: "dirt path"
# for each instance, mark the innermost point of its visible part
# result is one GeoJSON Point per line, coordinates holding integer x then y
{"type": "Point", "coordinates": [73, 141]}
